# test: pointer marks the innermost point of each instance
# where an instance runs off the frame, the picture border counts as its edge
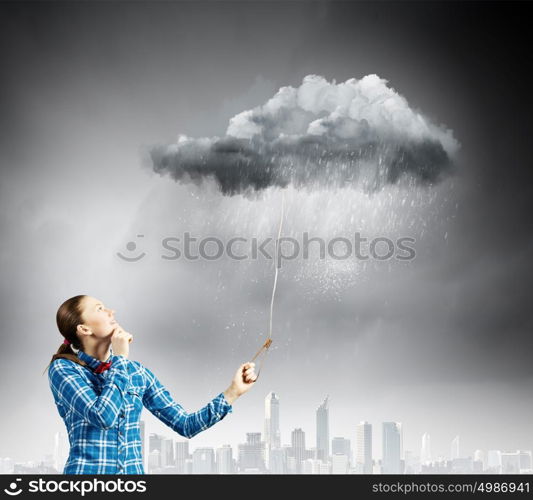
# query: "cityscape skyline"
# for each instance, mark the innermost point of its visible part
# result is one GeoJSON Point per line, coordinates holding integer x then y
{"type": "Point", "coordinates": [265, 452]}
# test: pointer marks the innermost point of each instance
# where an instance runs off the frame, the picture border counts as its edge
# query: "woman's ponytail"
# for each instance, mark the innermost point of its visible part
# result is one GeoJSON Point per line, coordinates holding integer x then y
{"type": "Point", "coordinates": [68, 317]}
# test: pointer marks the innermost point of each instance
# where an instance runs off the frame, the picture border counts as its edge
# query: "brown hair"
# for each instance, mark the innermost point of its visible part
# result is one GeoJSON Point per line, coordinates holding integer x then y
{"type": "Point", "coordinates": [68, 317]}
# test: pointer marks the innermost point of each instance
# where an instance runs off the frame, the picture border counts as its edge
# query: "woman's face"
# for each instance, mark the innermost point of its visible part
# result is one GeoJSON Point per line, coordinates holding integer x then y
{"type": "Point", "coordinates": [97, 317]}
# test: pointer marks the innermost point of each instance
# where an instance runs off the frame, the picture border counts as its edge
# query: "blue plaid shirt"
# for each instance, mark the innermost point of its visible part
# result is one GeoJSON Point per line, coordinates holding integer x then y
{"type": "Point", "coordinates": [102, 412]}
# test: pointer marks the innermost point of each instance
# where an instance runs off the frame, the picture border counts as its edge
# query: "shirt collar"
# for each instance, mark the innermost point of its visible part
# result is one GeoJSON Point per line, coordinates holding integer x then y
{"type": "Point", "coordinates": [92, 362]}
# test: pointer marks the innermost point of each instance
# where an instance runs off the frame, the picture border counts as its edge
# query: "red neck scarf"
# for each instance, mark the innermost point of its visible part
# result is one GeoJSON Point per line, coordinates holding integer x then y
{"type": "Point", "coordinates": [103, 366]}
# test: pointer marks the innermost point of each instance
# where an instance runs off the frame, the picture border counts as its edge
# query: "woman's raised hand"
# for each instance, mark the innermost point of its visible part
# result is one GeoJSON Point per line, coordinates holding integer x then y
{"type": "Point", "coordinates": [120, 341]}
{"type": "Point", "coordinates": [242, 382]}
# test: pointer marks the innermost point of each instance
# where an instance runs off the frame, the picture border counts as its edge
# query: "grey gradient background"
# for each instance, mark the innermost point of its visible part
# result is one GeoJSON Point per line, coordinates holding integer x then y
{"type": "Point", "coordinates": [442, 344]}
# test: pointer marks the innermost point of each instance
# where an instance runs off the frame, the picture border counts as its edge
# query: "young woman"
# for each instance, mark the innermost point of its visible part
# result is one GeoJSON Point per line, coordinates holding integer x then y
{"type": "Point", "coordinates": [100, 393]}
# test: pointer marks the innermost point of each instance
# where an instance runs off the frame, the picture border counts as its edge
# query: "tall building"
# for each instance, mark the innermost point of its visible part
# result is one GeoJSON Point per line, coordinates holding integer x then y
{"type": "Point", "coordinates": [167, 452]}
{"type": "Point", "coordinates": [339, 463]}
{"type": "Point", "coordinates": [298, 449]}
{"type": "Point", "coordinates": [425, 451]}
{"type": "Point", "coordinates": [392, 448]}
{"type": "Point", "coordinates": [518, 462]}
{"type": "Point", "coordinates": [155, 442]}
{"type": "Point", "coordinates": [363, 447]}
{"type": "Point", "coordinates": [494, 462]}
{"type": "Point", "coordinates": [250, 453]}
{"type": "Point", "coordinates": [526, 462]}
{"type": "Point", "coordinates": [278, 460]}
{"type": "Point", "coordinates": [322, 431]}
{"type": "Point", "coordinates": [6, 466]}
{"type": "Point", "coordinates": [154, 451]}
{"type": "Point", "coordinates": [154, 461]}
{"type": "Point", "coordinates": [142, 429]}
{"type": "Point", "coordinates": [182, 455]}
{"type": "Point", "coordinates": [272, 432]}
{"type": "Point", "coordinates": [454, 451]}
{"type": "Point", "coordinates": [462, 466]}
{"type": "Point", "coordinates": [224, 463]}
{"type": "Point", "coordinates": [315, 466]}
{"type": "Point", "coordinates": [203, 461]}
{"type": "Point", "coordinates": [341, 446]}
{"type": "Point", "coordinates": [412, 462]}
{"type": "Point", "coordinates": [61, 451]}
{"type": "Point", "coordinates": [511, 463]}
{"type": "Point", "coordinates": [478, 462]}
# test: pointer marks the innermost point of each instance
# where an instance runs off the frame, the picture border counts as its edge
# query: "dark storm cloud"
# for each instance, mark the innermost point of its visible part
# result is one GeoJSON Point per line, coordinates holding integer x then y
{"type": "Point", "coordinates": [359, 132]}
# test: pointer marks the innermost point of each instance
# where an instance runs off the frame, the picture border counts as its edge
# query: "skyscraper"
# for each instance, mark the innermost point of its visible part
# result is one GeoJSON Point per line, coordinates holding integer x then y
{"type": "Point", "coordinates": [518, 462]}
{"type": "Point", "coordinates": [278, 460]}
{"type": "Point", "coordinates": [316, 466]}
{"type": "Point", "coordinates": [6, 465]}
{"type": "Point", "coordinates": [322, 431]}
{"type": "Point", "coordinates": [155, 442]}
{"type": "Point", "coordinates": [494, 462]}
{"type": "Point", "coordinates": [510, 463]}
{"type": "Point", "coordinates": [142, 429]}
{"type": "Point", "coordinates": [341, 446]}
{"type": "Point", "coordinates": [167, 452]}
{"type": "Point", "coordinates": [339, 463]}
{"type": "Point", "coordinates": [526, 461]}
{"type": "Point", "coordinates": [272, 432]}
{"type": "Point", "coordinates": [454, 452]}
{"type": "Point", "coordinates": [392, 448]}
{"type": "Point", "coordinates": [182, 455]}
{"type": "Point", "coordinates": [425, 451]}
{"type": "Point", "coordinates": [203, 461]}
{"type": "Point", "coordinates": [298, 449]}
{"type": "Point", "coordinates": [363, 444]}
{"type": "Point", "coordinates": [250, 455]}
{"type": "Point", "coordinates": [478, 462]}
{"type": "Point", "coordinates": [61, 450]}
{"type": "Point", "coordinates": [224, 463]}
{"type": "Point", "coordinates": [411, 462]}
{"type": "Point", "coordinates": [154, 461]}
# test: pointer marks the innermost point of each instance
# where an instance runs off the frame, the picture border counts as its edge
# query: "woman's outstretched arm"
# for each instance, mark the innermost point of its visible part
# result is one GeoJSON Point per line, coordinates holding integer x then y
{"type": "Point", "coordinates": [160, 403]}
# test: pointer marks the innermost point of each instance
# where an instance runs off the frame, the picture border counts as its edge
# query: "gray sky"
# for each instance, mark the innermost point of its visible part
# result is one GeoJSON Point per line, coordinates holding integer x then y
{"type": "Point", "coordinates": [442, 344]}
